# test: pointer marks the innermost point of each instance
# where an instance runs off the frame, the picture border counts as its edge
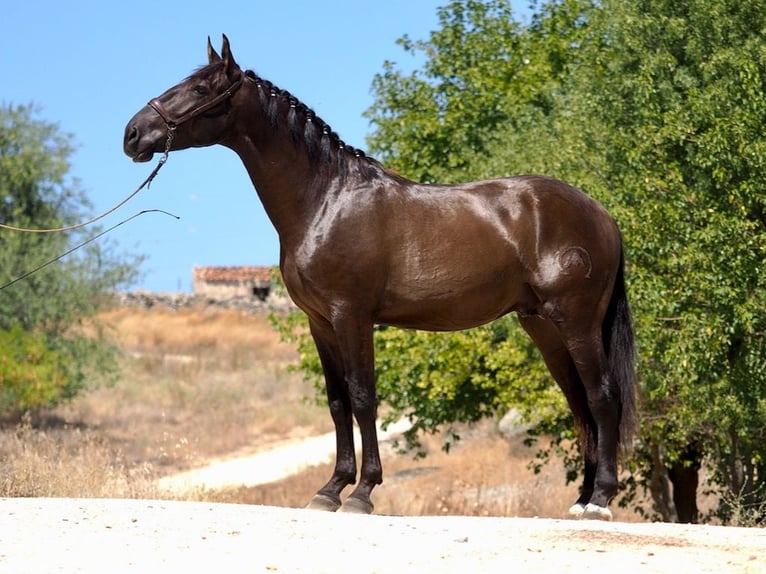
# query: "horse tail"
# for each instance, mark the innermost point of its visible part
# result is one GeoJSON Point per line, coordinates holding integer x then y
{"type": "Point", "coordinates": [619, 344]}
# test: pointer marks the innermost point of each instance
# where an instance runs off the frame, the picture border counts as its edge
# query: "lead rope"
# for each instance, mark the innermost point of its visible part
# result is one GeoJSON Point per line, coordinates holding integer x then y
{"type": "Point", "coordinates": [83, 244]}
{"type": "Point", "coordinates": [147, 182]}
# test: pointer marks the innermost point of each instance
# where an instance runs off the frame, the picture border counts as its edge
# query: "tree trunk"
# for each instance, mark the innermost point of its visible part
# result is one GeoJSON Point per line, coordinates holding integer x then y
{"type": "Point", "coordinates": [684, 475]}
{"type": "Point", "coordinates": [659, 486]}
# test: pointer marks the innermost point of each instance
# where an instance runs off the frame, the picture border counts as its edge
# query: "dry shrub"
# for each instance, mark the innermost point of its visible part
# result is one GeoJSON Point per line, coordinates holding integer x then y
{"type": "Point", "coordinates": [223, 335]}
{"type": "Point", "coordinates": [65, 461]}
{"type": "Point", "coordinates": [485, 474]}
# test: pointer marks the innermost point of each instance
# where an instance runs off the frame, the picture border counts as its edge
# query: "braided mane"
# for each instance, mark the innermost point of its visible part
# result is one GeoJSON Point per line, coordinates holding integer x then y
{"type": "Point", "coordinates": [304, 125]}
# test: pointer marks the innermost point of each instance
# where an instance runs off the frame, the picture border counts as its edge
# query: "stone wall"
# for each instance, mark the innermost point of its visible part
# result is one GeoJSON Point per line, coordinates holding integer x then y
{"type": "Point", "coordinates": [229, 282]}
{"type": "Point", "coordinates": [149, 300]}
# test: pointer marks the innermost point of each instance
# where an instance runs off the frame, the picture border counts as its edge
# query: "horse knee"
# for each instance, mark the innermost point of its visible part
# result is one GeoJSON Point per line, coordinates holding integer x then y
{"type": "Point", "coordinates": [364, 398]}
{"type": "Point", "coordinates": [339, 409]}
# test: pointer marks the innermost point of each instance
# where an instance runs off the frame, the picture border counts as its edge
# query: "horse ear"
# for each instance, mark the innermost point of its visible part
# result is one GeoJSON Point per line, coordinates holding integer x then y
{"type": "Point", "coordinates": [212, 55]}
{"type": "Point", "coordinates": [228, 59]}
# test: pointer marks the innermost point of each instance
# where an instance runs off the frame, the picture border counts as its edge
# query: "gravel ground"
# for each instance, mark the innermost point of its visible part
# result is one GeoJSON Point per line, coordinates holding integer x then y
{"type": "Point", "coordinates": [78, 535]}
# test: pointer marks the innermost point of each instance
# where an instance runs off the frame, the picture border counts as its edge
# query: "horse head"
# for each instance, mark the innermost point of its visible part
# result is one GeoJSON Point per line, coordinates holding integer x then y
{"type": "Point", "coordinates": [193, 113]}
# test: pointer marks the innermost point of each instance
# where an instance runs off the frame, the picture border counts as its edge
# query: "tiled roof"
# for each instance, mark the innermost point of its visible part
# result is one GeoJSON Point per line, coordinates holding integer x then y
{"type": "Point", "coordinates": [233, 274]}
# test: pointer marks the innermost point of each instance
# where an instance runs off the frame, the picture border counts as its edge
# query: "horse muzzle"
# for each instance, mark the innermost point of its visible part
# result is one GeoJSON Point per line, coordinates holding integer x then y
{"type": "Point", "coordinates": [142, 141]}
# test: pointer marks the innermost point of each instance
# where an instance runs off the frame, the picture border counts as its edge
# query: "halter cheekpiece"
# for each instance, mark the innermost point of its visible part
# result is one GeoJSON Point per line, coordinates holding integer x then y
{"type": "Point", "coordinates": [173, 123]}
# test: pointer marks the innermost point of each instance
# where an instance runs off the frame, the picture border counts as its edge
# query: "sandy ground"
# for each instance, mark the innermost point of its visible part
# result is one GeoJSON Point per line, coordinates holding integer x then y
{"type": "Point", "coordinates": [76, 535]}
{"type": "Point", "coordinates": [41, 536]}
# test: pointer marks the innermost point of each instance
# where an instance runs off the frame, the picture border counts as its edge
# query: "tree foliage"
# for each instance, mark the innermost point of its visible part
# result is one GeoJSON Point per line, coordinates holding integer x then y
{"type": "Point", "coordinates": [656, 108]}
{"type": "Point", "coordinates": [679, 106]}
{"type": "Point", "coordinates": [430, 124]}
{"type": "Point", "coordinates": [43, 357]}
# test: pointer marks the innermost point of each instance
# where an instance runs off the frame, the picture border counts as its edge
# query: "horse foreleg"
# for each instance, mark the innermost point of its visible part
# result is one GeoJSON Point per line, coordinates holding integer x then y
{"type": "Point", "coordinates": [328, 497]}
{"type": "Point", "coordinates": [371, 475]}
{"type": "Point", "coordinates": [356, 345]}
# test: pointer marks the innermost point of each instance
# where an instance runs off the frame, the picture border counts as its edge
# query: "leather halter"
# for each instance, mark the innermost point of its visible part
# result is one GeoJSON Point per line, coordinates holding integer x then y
{"type": "Point", "coordinates": [173, 123]}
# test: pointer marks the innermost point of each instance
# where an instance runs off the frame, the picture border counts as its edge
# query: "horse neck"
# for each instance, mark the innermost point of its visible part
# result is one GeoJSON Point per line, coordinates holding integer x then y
{"type": "Point", "coordinates": [280, 171]}
{"type": "Point", "coordinates": [291, 185]}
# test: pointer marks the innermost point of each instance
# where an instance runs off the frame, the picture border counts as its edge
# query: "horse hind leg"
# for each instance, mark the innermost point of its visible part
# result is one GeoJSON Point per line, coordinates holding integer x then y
{"type": "Point", "coordinates": [590, 360]}
{"type": "Point", "coordinates": [564, 371]}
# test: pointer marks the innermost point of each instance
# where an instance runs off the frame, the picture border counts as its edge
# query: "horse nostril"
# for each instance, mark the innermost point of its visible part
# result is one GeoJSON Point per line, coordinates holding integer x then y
{"type": "Point", "coordinates": [132, 137]}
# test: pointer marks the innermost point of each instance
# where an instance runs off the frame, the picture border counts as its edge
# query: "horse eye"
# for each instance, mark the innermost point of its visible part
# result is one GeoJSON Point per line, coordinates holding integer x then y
{"type": "Point", "coordinates": [201, 90]}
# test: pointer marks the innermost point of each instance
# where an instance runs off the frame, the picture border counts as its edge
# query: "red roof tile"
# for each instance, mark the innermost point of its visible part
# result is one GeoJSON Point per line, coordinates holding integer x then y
{"type": "Point", "coordinates": [232, 274]}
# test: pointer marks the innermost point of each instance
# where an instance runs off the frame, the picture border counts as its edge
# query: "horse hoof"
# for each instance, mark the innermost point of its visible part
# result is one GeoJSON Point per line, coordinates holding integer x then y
{"type": "Point", "coordinates": [576, 510]}
{"type": "Point", "coordinates": [323, 502]}
{"type": "Point", "coordinates": [356, 506]}
{"type": "Point", "coordinates": [596, 512]}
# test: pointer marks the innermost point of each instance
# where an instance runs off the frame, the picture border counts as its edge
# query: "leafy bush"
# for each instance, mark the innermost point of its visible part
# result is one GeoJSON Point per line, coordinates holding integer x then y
{"type": "Point", "coordinates": [32, 374]}
{"type": "Point", "coordinates": [44, 356]}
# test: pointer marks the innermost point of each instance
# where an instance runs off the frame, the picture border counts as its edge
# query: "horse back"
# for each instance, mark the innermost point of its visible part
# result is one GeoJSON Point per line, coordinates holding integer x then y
{"type": "Point", "coordinates": [452, 257]}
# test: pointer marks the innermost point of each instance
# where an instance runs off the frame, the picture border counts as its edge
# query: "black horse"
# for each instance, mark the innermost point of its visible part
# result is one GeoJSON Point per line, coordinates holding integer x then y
{"type": "Point", "coordinates": [361, 245]}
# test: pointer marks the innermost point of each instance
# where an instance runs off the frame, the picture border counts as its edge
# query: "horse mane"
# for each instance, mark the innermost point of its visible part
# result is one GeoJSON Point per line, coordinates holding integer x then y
{"type": "Point", "coordinates": [322, 144]}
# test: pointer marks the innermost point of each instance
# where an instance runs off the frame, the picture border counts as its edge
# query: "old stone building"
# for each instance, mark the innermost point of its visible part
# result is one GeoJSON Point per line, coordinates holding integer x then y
{"type": "Point", "coordinates": [231, 282]}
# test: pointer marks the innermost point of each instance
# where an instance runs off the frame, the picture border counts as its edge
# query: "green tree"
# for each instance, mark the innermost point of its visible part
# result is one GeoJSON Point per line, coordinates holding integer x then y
{"type": "Point", "coordinates": [656, 108]}
{"type": "Point", "coordinates": [44, 356]}
{"type": "Point", "coordinates": [486, 83]}
{"type": "Point", "coordinates": [677, 96]}
{"type": "Point", "coordinates": [430, 125]}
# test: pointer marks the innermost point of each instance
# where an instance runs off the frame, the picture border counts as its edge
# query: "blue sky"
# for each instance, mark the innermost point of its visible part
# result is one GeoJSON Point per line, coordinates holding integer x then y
{"type": "Point", "coordinates": [90, 65]}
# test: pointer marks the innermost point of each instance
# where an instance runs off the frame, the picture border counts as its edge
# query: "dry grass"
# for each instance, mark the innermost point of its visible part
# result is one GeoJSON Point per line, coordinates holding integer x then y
{"type": "Point", "coordinates": [196, 384]}
{"type": "Point", "coordinates": [205, 383]}
{"type": "Point", "coordinates": [227, 337]}
{"type": "Point", "coordinates": [63, 461]}
{"type": "Point", "coordinates": [485, 474]}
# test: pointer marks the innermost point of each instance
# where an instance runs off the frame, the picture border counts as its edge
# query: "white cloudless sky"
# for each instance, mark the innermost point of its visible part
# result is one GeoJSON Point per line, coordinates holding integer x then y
{"type": "Point", "coordinates": [90, 65]}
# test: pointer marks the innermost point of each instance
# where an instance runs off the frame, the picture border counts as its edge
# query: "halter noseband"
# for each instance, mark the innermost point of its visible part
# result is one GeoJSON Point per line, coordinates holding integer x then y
{"type": "Point", "coordinates": [173, 123]}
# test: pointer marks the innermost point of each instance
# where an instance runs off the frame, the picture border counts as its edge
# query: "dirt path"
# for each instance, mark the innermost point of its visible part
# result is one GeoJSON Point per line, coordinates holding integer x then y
{"type": "Point", "coordinates": [75, 535]}
{"type": "Point", "coordinates": [279, 461]}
